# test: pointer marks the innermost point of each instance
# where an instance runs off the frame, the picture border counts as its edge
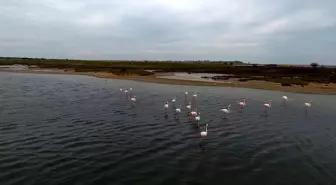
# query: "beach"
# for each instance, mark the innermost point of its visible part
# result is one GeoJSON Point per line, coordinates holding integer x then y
{"type": "Point", "coordinates": [170, 78]}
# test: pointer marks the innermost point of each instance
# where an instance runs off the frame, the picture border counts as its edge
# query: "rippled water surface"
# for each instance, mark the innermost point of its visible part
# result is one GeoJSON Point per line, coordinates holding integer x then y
{"type": "Point", "coordinates": [63, 129]}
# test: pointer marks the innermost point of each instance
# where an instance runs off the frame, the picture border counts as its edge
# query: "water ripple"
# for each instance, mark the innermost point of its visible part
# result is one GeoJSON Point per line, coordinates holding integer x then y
{"type": "Point", "coordinates": [58, 129]}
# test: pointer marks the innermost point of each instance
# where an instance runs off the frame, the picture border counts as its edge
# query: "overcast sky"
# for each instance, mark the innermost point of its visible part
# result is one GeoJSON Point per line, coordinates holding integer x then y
{"type": "Point", "coordinates": [264, 31]}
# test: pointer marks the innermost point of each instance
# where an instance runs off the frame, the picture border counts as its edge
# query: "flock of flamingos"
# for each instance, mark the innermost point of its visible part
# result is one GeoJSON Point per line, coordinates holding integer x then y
{"type": "Point", "coordinates": [196, 115]}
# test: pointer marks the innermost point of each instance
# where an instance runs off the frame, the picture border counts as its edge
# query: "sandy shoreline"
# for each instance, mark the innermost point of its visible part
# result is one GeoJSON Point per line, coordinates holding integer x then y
{"type": "Point", "coordinates": [312, 88]}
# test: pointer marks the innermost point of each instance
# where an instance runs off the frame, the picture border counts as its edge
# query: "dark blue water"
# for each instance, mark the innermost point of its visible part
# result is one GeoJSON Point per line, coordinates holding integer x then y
{"type": "Point", "coordinates": [63, 129]}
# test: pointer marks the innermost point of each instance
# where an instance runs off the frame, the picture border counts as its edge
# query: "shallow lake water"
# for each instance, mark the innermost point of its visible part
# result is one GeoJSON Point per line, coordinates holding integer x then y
{"type": "Point", "coordinates": [68, 129]}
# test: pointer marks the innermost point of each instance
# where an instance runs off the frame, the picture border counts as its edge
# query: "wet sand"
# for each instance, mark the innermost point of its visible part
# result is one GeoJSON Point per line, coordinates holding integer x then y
{"type": "Point", "coordinates": [312, 88]}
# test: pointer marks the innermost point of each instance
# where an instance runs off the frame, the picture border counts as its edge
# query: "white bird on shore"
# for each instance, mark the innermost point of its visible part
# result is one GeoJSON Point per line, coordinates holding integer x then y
{"type": "Point", "coordinates": [133, 98]}
{"type": "Point", "coordinates": [174, 99]}
{"type": "Point", "coordinates": [195, 95]}
{"type": "Point", "coordinates": [121, 89]}
{"type": "Point", "coordinates": [228, 110]}
{"type": "Point", "coordinates": [205, 133]}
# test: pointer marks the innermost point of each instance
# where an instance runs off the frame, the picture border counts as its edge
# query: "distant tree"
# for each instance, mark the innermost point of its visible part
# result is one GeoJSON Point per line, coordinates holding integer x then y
{"type": "Point", "coordinates": [314, 65]}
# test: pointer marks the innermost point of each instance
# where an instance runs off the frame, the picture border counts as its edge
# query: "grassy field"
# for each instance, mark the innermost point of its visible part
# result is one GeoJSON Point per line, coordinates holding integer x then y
{"type": "Point", "coordinates": [284, 74]}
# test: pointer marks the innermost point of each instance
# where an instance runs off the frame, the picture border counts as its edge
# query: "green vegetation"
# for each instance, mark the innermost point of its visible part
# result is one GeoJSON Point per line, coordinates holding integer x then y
{"type": "Point", "coordinates": [284, 74]}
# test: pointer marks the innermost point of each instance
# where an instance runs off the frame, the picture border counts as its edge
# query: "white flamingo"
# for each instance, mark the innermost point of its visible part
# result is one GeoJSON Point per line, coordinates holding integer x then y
{"type": "Point", "coordinates": [178, 110]}
{"type": "Point", "coordinates": [308, 105]}
{"type": "Point", "coordinates": [267, 106]}
{"type": "Point", "coordinates": [189, 106]}
{"type": "Point", "coordinates": [285, 99]}
{"type": "Point", "coordinates": [185, 95]}
{"type": "Point", "coordinates": [126, 93]}
{"type": "Point", "coordinates": [193, 113]}
{"type": "Point", "coordinates": [242, 104]}
{"type": "Point", "coordinates": [195, 95]}
{"type": "Point", "coordinates": [166, 106]}
{"type": "Point", "coordinates": [205, 133]}
{"type": "Point", "coordinates": [133, 98]}
{"type": "Point", "coordinates": [198, 117]}
{"type": "Point", "coordinates": [174, 99]}
{"type": "Point", "coordinates": [228, 110]}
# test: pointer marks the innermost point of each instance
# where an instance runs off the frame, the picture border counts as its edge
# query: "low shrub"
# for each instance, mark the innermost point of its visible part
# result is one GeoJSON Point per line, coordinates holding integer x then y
{"type": "Point", "coordinates": [286, 84]}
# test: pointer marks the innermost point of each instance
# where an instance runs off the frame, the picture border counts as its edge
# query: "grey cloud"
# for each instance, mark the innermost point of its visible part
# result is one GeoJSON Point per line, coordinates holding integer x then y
{"type": "Point", "coordinates": [264, 31]}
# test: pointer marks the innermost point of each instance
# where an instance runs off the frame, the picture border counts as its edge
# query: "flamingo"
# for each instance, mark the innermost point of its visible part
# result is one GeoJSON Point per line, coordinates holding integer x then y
{"type": "Point", "coordinates": [195, 95]}
{"type": "Point", "coordinates": [178, 110]}
{"type": "Point", "coordinates": [126, 94]}
{"type": "Point", "coordinates": [228, 110]}
{"type": "Point", "coordinates": [267, 106]}
{"type": "Point", "coordinates": [189, 106]}
{"type": "Point", "coordinates": [193, 113]}
{"type": "Point", "coordinates": [205, 133]}
{"type": "Point", "coordinates": [130, 90]}
{"type": "Point", "coordinates": [133, 98]}
{"type": "Point", "coordinates": [198, 117]}
{"type": "Point", "coordinates": [242, 104]}
{"type": "Point", "coordinates": [185, 96]}
{"type": "Point", "coordinates": [174, 99]}
{"type": "Point", "coordinates": [308, 105]}
{"type": "Point", "coordinates": [166, 105]}
{"type": "Point", "coordinates": [285, 99]}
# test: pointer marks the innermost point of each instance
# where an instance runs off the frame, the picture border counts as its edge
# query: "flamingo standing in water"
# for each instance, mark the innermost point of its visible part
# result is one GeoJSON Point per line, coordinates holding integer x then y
{"type": "Point", "coordinates": [242, 104]}
{"type": "Point", "coordinates": [267, 106]}
{"type": "Point", "coordinates": [178, 110]}
{"type": "Point", "coordinates": [185, 96]}
{"type": "Point", "coordinates": [130, 91]}
{"type": "Point", "coordinates": [285, 99]}
{"type": "Point", "coordinates": [198, 117]}
{"type": "Point", "coordinates": [205, 133]}
{"type": "Point", "coordinates": [133, 99]}
{"type": "Point", "coordinates": [126, 93]}
{"type": "Point", "coordinates": [166, 106]}
{"type": "Point", "coordinates": [228, 110]}
{"type": "Point", "coordinates": [189, 106]}
{"type": "Point", "coordinates": [308, 105]}
{"type": "Point", "coordinates": [173, 102]}
{"type": "Point", "coordinates": [193, 113]}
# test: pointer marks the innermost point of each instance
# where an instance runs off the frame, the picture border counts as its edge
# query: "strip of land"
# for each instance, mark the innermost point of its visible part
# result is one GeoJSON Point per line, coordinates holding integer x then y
{"type": "Point", "coordinates": [300, 79]}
